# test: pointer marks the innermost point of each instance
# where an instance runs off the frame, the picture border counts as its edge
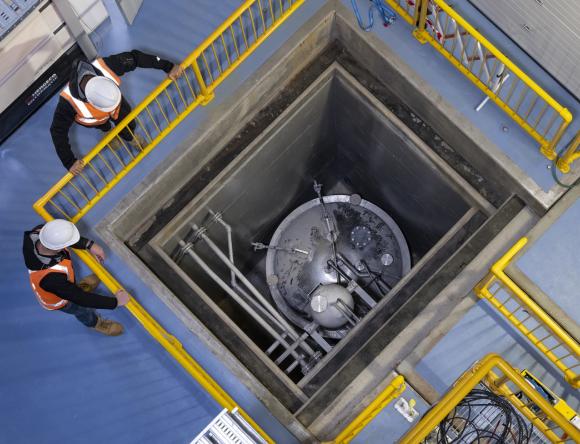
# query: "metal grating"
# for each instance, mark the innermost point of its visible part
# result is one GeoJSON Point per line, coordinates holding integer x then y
{"type": "Point", "coordinates": [228, 428]}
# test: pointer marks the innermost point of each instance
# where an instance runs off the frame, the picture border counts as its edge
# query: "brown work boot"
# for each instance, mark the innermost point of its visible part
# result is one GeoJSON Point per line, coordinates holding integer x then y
{"type": "Point", "coordinates": [116, 143]}
{"type": "Point", "coordinates": [139, 142]}
{"type": "Point", "coordinates": [108, 327]}
{"type": "Point", "coordinates": [89, 283]}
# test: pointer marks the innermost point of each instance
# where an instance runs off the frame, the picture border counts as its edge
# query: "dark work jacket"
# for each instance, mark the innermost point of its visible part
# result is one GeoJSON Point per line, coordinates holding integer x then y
{"type": "Point", "coordinates": [64, 115]}
{"type": "Point", "coordinates": [58, 283]}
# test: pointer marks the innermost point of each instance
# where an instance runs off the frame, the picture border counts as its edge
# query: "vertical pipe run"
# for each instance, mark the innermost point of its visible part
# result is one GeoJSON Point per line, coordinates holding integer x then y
{"type": "Point", "coordinates": [225, 287]}
{"type": "Point", "coordinates": [217, 217]}
{"type": "Point", "coordinates": [420, 31]}
{"type": "Point", "coordinates": [250, 287]}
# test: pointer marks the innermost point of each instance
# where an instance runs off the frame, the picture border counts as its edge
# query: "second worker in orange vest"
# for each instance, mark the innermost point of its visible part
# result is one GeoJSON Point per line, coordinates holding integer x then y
{"type": "Point", "coordinates": [52, 276]}
{"type": "Point", "coordinates": [92, 98]}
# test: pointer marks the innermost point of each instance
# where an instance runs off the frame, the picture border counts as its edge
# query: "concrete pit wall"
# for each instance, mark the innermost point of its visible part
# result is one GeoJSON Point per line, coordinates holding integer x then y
{"type": "Point", "coordinates": [144, 225]}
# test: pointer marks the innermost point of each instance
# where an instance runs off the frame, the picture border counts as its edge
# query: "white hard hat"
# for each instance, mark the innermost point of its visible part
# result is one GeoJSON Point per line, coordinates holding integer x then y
{"type": "Point", "coordinates": [58, 234]}
{"type": "Point", "coordinates": [103, 93]}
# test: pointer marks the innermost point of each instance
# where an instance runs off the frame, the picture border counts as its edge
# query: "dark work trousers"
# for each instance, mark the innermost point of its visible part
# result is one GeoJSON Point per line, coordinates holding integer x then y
{"type": "Point", "coordinates": [123, 112]}
{"type": "Point", "coordinates": [86, 315]}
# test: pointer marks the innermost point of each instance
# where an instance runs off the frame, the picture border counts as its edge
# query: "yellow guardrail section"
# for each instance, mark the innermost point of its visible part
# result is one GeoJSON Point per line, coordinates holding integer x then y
{"type": "Point", "coordinates": [162, 110]}
{"type": "Point", "coordinates": [155, 117]}
{"type": "Point", "coordinates": [407, 9]}
{"type": "Point", "coordinates": [501, 378]}
{"type": "Point", "coordinates": [571, 154]}
{"type": "Point", "coordinates": [392, 391]}
{"type": "Point", "coordinates": [529, 318]}
{"type": "Point", "coordinates": [538, 113]}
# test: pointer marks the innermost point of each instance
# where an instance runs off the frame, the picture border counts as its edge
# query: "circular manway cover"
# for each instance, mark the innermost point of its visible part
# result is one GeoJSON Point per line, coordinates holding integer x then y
{"type": "Point", "coordinates": [366, 237]}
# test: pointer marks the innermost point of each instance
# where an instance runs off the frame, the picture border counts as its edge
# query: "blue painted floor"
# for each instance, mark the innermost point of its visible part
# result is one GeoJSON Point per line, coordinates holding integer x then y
{"type": "Point", "coordinates": [62, 383]}
{"type": "Point", "coordinates": [552, 262]}
{"type": "Point", "coordinates": [389, 425]}
{"type": "Point", "coordinates": [481, 331]}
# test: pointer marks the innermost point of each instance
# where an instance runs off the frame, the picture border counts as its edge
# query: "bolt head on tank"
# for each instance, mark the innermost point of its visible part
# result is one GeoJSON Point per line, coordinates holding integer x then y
{"type": "Point", "coordinates": [323, 305]}
{"type": "Point", "coordinates": [355, 199]}
{"type": "Point", "coordinates": [387, 259]}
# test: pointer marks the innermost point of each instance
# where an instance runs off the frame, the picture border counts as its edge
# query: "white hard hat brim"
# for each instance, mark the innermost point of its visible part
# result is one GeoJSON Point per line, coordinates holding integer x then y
{"type": "Point", "coordinates": [44, 237]}
{"type": "Point", "coordinates": [109, 109]}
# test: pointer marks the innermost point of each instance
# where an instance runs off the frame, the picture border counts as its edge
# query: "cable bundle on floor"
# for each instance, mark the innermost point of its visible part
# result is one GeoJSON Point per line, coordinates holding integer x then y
{"type": "Point", "coordinates": [387, 16]}
{"type": "Point", "coordinates": [481, 417]}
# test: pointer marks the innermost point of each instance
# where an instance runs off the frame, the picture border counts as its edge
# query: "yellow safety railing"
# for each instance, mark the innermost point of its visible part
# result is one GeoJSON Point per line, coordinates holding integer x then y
{"type": "Point", "coordinates": [392, 391]}
{"type": "Point", "coordinates": [162, 110]}
{"type": "Point", "coordinates": [538, 113]}
{"type": "Point", "coordinates": [407, 9]}
{"type": "Point", "coordinates": [169, 343]}
{"type": "Point", "coordinates": [153, 119]}
{"type": "Point", "coordinates": [529, 318]}
{"type": "Point", "coordinates": [501, 378]}
{"type": "Point", "coordinates": [571, 154]}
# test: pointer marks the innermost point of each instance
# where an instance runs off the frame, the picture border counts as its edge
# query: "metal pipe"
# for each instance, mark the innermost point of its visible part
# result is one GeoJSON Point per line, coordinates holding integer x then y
{"type": "Point", "coordinates": [326, 217]}
{"type": "Point", "coordinates": [319, 339]}
{"type": "Point", "coordinates": [283, 326]}
{"type": "Point", "coordinates": [495, 88]}
{"type": "Point", "coordinates": [351, 282]}
{"type": "Point", "coordinates": [342, 304]}
{"type": "Point", "coordinates": [260, 246]}
{"type": "Point", "coordinates": [256, 305]}
{"type": "Point", "coordinates": [199, 261]}
{"type": "Point", "coordinates": [217, 217]}
{"type": "Point", "coordinates": [250, 287]}
{"type": "Point", "coordinates": [289, 350]}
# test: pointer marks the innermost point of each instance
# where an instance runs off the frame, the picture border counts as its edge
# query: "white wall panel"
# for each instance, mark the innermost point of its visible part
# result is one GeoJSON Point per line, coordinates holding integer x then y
{"type": "Point", "coordinates": [548, 30]}
{"type": "Point", "coordinates": [37, 41]}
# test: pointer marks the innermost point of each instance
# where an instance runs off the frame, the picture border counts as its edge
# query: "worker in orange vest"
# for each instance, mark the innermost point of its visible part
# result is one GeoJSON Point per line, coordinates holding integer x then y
{"type": "Point", "coordinates": [92, 98]}
{"type": "Point", "coordinates": [52, 275]}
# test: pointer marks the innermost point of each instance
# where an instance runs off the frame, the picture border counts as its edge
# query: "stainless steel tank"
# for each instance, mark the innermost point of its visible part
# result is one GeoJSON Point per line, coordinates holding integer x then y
{"type": "Point", "coordinates": [307, 274]}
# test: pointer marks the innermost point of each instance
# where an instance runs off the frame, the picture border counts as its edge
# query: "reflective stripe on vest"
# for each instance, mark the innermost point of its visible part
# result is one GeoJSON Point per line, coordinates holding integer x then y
{"type": "Point", "coordinates": [48, 300]}
{"type": "Point", "coordinates": [87, 114]}
{"type": "Point", "coordinates": [107, 72]}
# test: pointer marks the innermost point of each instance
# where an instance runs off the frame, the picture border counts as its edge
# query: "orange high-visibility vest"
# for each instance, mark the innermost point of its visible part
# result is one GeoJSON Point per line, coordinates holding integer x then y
{"type": "Point", "coordinates": [48, 300]}
{"type": "Point", "coordinates": [87, 114]}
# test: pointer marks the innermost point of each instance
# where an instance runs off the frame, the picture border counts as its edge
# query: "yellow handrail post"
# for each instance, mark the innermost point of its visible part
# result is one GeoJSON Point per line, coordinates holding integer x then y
{"type": "Point", "coordinates": [421, 8]}
{"type": "Point", "coordinates": [405, 12]}
{"type": "Point", "coordinates": [548, 149]}
{"type": "Point", "coordinates": [392, 391]}
{"type": "Point", "coordinates": [484, 283]}
{"type": "Point", "coordinates": [205, 93]}
{"type": "Point", "coordinates": [571, 154]}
